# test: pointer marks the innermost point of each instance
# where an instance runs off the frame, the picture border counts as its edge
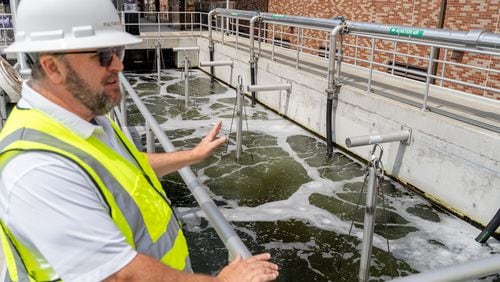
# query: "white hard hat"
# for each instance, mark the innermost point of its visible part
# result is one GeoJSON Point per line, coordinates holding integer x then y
{"type": "Point", "coordinates": [64, 25]}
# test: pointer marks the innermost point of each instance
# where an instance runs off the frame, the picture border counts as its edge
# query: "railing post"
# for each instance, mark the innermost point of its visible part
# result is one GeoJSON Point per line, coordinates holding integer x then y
{"type": "Point", "coordinates": [158, 60]}
{"type": "Point", "coordinates": [150, 139]}
{"type": "Point", "coordinates": [123, 107]}
{"type": "Point", "coordinates": [444, 67]}
{"type": "Point", "coordinates": [428, 78]}
{"type": "Point", "coordinates": [298, 48]}
{"type": "Point", "coordinates": [272, 42]}
{"type": "Point", "coordinates": [222, 28]}
{"type": "Point", "coordinates": [237, 31]}
{"type": "Point", "coordinates": [371, 65]}
{"type": "Point", "coordinates": [186, 80]}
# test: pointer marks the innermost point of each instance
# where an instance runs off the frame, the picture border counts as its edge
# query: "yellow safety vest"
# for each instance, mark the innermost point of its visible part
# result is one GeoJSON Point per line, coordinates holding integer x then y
{"type": "Point", "coordinates": [134, 196]}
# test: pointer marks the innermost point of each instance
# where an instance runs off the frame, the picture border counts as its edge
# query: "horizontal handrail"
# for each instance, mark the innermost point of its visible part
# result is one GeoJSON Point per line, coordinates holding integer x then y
{"type": "Point", "coordinates": [226, 233]}
{"type": "Point", "coordinates": [459, 272]}
{"type": "Point", "coordinates": [479, 39]}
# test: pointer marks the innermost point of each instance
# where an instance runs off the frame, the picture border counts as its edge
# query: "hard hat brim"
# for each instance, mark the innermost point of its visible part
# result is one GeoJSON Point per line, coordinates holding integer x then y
{"type": "Point", "coordinates": [102, 39]}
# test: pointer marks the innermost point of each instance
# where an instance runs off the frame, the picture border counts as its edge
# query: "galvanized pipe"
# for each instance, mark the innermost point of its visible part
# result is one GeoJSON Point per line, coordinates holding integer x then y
{"type": "Point", "coordinates": [458, 272]}
{"type": "Point", "coordinates": [269, 87]}
{"type": "Point", "coordinates": [370, 74]}
{"type": "Point", "coordinates": [403, 136]}
{"type": "Point", "coordinates": [428, 78]}
{"type": "Point", "coordinates": [158, 60]}
{"type": "Point", "coordinates": [216, 63]}
{"type": "Point", "coordinates": [186, 80]}
{"type": "Point", "coordinates": [226, 233]}
{"type": "Point", "coordinates": [211, 41]}
{"type": "Point", "coordinates": [331, 60]}
{"type": "Point", "coordinates": [189, 48]}
{"type": "Point", "coordinates": [480, 39]}
{"type": "Point", "coordinates": [253, 60]}
{"type": "Point", "coordinates": [213, 64]}
{"type": "Point", "coordinates": [332, 85]}
{"type": "Point", "coordinates": [368, 226]}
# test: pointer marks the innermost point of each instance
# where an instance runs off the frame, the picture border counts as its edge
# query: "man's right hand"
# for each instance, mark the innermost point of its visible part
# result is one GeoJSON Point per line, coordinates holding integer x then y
{"type": "Point", "coordinates": [253, 269]}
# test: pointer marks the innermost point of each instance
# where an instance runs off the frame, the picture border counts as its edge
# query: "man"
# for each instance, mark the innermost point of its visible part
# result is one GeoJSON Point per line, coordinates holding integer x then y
{"type": "Point", "coordinates": [78, 202]}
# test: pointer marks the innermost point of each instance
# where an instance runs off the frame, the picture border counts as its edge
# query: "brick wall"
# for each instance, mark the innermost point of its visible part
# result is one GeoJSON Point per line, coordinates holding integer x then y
{"type": "Point", "coordinates": [460, 15]}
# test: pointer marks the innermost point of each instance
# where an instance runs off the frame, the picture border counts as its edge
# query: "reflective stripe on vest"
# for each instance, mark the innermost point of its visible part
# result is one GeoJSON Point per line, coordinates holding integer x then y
{"type": "Point", "coordinates": [136, 201]}
{"type": "Point", "coordinates": [15, 267]}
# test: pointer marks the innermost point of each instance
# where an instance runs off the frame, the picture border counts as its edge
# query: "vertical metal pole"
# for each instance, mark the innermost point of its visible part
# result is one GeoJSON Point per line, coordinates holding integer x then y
{"type": "Point", "coordinates": [239, 121]}
{"type": "Point", "coordinates": [186, 79]}
{"type": "Point", "coordinates": [227, 7]}
{"type": "Point", "coordinates": [158, 60]}
{"type": "Point", "coordinates": [253, 59]}
{"type": "Point", "coordinates": [368, 226]}
{"type": "Point", "coordinates": [150, 139]}
{"type": "Point", "coordinates": [339, 59]}
{"type": "Point", "coordinates": [428, 78]}
{"type": "Point", "coordinates": [222, 29]}
{"type": "Point", "coordinates": [298, 48]}
{"type": "Point", "coordinates": [272, 42]}
{"type": "Point", "coordinates": [231, 75]}
{"type": "Point", "coordinates": [394, 56]}
{"type": "Point", "coordinates": [237, 31]}
{"type": "Point", "coordinates": [444, 66]}
{"type": "Point", "coordinates": [192, 23]}
{"type": "Point", "coordinates": [371, 66]}
{"type": "Point", "coordinates": [158, 22]}
{"type": "Point", "coordinates": [259, 35]}
{"type": "Point", "coordinates": [356, 51]}
{"type": "Point", "coordinates": [211, 43]}
{"type": "Point", "coordinates": [123, 106]}
{"type": "Point", "coordinates": [3, 109]}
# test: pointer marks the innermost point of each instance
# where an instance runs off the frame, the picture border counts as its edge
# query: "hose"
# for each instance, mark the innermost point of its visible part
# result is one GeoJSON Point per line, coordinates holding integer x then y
{"type": "Point", "coordinates": [490, 229]}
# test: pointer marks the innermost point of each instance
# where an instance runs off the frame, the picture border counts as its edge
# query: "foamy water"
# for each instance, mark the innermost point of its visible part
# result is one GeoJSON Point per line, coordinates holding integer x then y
{"type": "Point", "coordinates": [441, 241]}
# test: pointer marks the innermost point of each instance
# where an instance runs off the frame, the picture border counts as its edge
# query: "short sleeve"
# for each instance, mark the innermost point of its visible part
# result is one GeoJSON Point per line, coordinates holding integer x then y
{"type": "Point", "coordinates": [52, 206]}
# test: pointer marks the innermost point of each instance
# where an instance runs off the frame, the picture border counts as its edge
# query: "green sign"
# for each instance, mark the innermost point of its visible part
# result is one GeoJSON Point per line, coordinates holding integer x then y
{"type": "Point", "coordinates": [406, 32]}
{"type": "Point", "coordinates": [234, 14]}
{"type": "Point", "coordinates": [279, 16]}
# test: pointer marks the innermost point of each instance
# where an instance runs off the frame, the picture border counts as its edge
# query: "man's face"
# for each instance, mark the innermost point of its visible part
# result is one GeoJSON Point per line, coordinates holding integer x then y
{"type": "Point", "coordinates": [95, 86]}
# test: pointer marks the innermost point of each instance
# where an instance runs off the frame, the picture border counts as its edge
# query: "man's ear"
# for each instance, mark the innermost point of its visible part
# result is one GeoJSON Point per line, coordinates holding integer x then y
{"type": "Point", "coordinates": [54, 68]}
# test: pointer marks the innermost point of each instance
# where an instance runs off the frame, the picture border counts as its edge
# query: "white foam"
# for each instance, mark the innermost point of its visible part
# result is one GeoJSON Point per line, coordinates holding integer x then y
{"type": "Point", "coordinates": [454, 238]}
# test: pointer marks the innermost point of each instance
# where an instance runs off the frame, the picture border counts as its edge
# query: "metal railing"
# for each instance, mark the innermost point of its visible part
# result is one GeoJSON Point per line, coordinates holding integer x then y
{"type": "Point", "coordinates": [226, 233]}
{"type": "Point", "coordinates": [156, 23]}
{"type": "Point", "coordinates": [434, 56]}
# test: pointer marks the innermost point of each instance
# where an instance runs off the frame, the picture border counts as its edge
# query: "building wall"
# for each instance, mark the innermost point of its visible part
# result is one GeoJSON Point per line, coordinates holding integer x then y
{"type": "Point", "coordinates": [460, 15]}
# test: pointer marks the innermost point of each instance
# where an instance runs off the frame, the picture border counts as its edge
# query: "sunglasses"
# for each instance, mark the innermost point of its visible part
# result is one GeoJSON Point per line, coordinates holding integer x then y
{"type": "Point", "coordinates": [105, 55]}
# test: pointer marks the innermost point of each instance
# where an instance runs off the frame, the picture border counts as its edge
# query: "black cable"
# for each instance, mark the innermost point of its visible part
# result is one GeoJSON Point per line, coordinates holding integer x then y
{"type": "Point", "coordinates": [231, 126]}
{"type": "Point", "coordinates": [352, 213]}
{"type": "Point", "coordinates": [246, 121]}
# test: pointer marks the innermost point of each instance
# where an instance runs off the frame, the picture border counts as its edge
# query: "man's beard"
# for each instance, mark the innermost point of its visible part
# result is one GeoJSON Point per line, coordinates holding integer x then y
{"type": "Point", "coordinates": [97, 102]}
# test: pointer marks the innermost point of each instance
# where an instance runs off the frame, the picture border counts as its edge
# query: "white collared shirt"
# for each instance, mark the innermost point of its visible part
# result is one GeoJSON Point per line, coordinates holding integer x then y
{"type": "Point", "coordinates": [54, 208]}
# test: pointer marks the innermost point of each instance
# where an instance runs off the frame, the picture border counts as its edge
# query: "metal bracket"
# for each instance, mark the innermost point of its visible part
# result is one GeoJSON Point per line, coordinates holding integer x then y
{"type": "Point", "coordinates": [407, 142]}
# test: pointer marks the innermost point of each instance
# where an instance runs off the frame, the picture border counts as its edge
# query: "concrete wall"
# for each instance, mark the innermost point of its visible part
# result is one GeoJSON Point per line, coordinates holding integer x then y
{"type": "Point", "coordinates": [456, 164]}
